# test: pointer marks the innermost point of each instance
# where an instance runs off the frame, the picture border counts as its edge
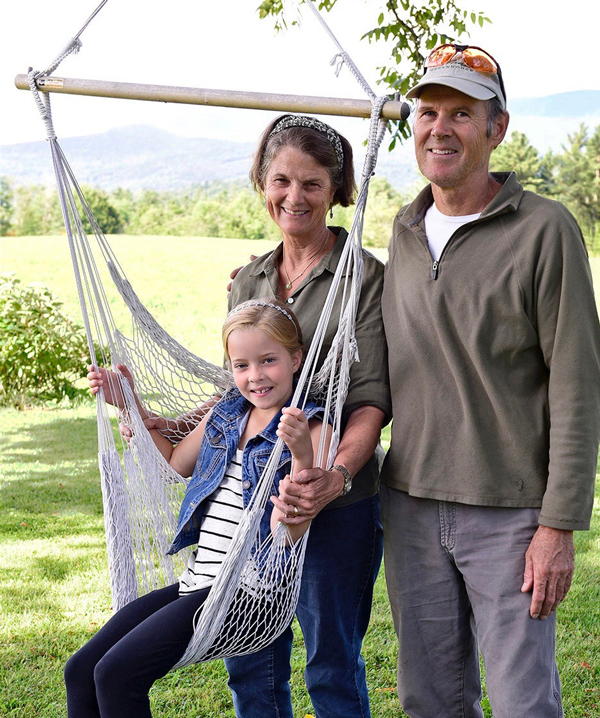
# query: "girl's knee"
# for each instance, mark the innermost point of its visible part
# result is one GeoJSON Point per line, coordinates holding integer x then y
{"type": "Point", "coordinates": [78, 669]}
{"type": "Point", "coordinates": [109, 673]}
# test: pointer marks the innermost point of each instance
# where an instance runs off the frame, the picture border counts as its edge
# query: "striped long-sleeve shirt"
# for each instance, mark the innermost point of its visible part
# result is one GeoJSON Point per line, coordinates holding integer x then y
{"type": "Point", "coordinates": [222, 514]}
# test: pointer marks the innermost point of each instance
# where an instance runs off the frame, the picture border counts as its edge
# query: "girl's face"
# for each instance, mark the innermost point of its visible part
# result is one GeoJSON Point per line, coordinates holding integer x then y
{"type": "Point", "coordinates": [262, 369]}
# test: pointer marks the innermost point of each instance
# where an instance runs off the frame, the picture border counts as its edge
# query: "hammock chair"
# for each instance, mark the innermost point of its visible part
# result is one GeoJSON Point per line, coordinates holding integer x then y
{"type": "Point", "coordinates": [254, 596]}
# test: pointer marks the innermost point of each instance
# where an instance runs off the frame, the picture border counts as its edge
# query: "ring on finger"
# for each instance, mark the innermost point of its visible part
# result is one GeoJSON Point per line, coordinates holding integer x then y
{"type": "Point", "coordinates": [295, 511]}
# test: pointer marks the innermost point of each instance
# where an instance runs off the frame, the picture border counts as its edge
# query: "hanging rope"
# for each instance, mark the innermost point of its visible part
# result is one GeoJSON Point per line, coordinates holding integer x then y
{"type": "Point", "coordinates": [342, 57]}
{"type": "Point", "coordinates": [255, 592]}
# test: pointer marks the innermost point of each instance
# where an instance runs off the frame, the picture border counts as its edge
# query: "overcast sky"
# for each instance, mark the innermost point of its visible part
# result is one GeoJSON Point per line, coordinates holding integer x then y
{"type": "Point", "coordinates": [223, 44]}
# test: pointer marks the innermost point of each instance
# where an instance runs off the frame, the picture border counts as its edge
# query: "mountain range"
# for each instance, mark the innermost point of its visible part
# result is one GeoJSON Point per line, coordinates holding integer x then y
{"type": "Point", "coordinates": [143, 157]}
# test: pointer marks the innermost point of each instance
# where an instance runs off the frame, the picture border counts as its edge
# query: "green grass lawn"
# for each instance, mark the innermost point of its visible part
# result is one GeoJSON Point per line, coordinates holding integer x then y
{"type": "Point", "coordinates": [181, 280]}
{"type": "Point", "coordinates": [54, 590]}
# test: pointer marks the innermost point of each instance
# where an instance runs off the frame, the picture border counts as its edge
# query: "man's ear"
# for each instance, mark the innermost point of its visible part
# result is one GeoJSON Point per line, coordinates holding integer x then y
{"type": "Point", "coordinates": [500, 128]}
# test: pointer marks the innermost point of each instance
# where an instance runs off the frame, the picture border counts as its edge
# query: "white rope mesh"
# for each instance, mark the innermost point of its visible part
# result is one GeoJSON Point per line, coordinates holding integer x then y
{"type": "Point", "coordinates": [254, 595]}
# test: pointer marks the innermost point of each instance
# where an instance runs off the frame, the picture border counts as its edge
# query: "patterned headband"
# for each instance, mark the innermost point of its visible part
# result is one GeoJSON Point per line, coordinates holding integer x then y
{"type": "Point", "coordinates": [260, 303]}
{"type": "Point", "coordinates": [312, 123]}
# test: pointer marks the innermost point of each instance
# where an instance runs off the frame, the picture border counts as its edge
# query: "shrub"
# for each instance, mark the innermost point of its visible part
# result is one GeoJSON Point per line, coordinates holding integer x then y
{"type": "Point", "coordinates": [43, 351]}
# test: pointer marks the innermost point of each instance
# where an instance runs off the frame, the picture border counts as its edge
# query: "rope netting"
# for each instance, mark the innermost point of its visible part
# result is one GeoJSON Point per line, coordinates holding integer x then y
{"type": "Point", "coordinates": [254, 595]}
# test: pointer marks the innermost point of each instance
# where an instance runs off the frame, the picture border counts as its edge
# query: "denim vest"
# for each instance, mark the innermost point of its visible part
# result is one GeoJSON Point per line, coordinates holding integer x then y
{"type": "Point", "coordinates": [219, 443]}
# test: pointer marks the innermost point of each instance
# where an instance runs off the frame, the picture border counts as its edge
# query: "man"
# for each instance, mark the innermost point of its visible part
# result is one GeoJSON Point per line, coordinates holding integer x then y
{"type": "Point", "coordinates": [494, 362]}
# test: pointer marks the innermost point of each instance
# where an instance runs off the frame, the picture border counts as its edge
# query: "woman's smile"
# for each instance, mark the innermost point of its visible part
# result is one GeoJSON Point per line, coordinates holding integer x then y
{"type": "Point", "coordinates": [298, 193]}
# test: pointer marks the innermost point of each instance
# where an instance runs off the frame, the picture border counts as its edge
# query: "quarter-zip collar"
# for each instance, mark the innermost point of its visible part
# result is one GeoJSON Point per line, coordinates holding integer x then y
{"type": "Point", "coordinates": [506, 200]}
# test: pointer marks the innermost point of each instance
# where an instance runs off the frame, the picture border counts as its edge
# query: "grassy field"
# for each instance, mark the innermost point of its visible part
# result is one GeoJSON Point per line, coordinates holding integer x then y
{"type": "Point", "coordinates": [181, 280]}
{"type": "Point", "coordinates": [54, 590]}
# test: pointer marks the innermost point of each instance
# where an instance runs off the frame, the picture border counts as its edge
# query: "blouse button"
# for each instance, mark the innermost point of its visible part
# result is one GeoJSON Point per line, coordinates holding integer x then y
{"type": "Point", "coordinates": [246, 484]}
{"type": "Point", "coordinates": [290, 300]}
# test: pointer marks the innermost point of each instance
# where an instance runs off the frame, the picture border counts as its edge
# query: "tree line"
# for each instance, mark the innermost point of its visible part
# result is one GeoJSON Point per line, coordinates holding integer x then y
{"type": "Point", "coordinates": [234, 210]}
{"type": "Point", "coordinates": [231, 210]}
{"type": "Point", "coordinates": [571, 176]}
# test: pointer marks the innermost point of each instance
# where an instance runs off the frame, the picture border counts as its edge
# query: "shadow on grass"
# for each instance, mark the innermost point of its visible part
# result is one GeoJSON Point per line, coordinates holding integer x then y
{"type": "Point", "coordinates": [65, 440]}
{"type": "Point", "coordinates": [51, 482]}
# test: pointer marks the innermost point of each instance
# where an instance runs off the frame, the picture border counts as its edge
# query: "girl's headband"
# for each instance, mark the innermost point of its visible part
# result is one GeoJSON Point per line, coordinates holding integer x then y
{"type": "Point", "coordinates": [259, 303]}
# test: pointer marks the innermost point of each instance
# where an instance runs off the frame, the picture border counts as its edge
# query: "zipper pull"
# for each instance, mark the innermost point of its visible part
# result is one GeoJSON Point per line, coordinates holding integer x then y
{"type": "Point", "coordinates": [434, 269]}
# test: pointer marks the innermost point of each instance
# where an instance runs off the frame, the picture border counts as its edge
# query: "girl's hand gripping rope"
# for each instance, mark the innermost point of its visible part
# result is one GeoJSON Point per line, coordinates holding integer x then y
{"type": "Point", "coordinates": [294, 430]}
{"type": "Point", "coordinates": [108, 380]}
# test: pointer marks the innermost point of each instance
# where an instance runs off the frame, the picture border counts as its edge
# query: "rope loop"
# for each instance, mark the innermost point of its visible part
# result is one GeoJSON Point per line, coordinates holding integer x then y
{"type": "Point", "coordinates": [43, 104]}
{"type": "Point", "coordinates": [72, 47]}
{"type": "Point", "coordinates": [377, 129]}
{"type": "Point", "coordinates": [338, 60]}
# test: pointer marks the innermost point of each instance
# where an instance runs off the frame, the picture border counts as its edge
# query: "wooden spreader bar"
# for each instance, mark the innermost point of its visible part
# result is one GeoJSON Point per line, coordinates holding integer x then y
{"type": "Point", "coordinates": [392, 110]}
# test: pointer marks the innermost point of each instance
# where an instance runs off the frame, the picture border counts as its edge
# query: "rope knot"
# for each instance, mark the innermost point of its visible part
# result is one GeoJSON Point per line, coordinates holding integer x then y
{"type": "Point", "coordinates": [340, 60]}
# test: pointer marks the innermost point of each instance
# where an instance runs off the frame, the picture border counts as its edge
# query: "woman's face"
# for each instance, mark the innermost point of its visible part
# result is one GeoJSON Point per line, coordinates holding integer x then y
{"type": "Point", "coordinates": [298, 192]}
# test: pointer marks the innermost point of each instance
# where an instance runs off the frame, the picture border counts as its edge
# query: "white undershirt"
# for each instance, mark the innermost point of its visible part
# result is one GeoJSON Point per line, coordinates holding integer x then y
{"type": "Point", "coordinates": [440, 227]}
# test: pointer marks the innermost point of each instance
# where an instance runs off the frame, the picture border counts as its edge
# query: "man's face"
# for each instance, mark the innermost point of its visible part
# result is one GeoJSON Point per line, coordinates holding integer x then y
{"type": "Point", "coordinates": [451, 142]}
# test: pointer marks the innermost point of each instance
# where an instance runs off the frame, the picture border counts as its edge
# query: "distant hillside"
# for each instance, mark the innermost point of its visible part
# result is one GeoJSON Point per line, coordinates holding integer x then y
{"type": "Point", "coordinates": [566, 104]}
{"type": "Point", "coordinates": [136, 157]}
{"type": "Point", "coordinates": [141, 157]}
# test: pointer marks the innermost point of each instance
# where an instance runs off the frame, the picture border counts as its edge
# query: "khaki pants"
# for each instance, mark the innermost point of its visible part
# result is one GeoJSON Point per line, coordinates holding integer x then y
{"type": "Point", "coordinates": [454, 574]}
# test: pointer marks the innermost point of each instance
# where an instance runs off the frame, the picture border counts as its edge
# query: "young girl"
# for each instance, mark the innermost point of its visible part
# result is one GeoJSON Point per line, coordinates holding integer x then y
{"type": "Point", "coordinates": [113, 673]}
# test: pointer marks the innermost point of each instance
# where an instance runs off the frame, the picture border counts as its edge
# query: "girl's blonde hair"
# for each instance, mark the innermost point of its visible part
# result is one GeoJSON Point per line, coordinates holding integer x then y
{"type": "Point", "coordinates": [269, 315]}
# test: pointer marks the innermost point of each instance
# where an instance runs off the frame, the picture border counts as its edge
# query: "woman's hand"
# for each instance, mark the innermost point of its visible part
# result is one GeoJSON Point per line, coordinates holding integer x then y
{"type": "Point", "coordinates": [313, 488]}
{"type": "Point", "coordinates": [293, 428]}
{"type": "Point", "coordinates": [288, 514]}
{"type": "Point", "coordinates": [108, 380]}
{"type": "Point", "coordinates": [316, 488]}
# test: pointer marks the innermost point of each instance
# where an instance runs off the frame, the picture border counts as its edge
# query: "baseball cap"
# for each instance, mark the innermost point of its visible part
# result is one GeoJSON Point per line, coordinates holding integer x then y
{"type": "Point", "coordinates": [457, 74]}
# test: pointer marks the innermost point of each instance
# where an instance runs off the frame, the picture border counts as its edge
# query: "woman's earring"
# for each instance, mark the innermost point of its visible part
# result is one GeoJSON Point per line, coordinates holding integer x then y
{"type": "Point", "coordinates": [331, 211]}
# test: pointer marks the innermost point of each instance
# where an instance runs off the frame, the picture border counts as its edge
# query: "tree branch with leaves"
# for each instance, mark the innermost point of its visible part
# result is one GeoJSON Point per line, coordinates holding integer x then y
{"type": "Point", "coordinates": [411, 29]}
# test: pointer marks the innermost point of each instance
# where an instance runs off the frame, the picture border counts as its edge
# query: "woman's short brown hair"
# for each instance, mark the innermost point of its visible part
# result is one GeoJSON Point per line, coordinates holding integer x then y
{"type": "Point", "coordinates": [313, 143]}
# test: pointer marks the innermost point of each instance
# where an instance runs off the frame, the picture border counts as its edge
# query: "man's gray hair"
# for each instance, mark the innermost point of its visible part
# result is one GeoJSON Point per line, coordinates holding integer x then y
{"type": "Point", "coordinates": [495, 110]}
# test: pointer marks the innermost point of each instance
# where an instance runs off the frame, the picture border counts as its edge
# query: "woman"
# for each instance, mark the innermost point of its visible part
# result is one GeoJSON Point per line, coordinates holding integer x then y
{"type": "Point", "coordinates": [302, 168]}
